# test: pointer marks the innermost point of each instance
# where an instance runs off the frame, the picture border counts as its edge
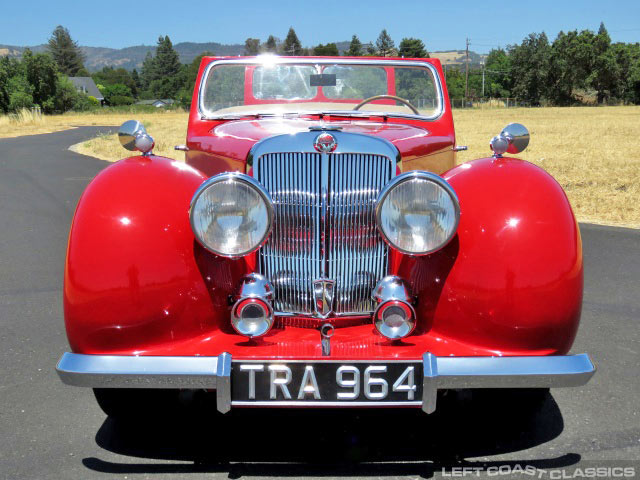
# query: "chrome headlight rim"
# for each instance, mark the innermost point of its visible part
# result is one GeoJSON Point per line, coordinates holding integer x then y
{"type": "Point", "coordinates": [408, 176]}
{"type": "Point", "coordinates": [252, 183]}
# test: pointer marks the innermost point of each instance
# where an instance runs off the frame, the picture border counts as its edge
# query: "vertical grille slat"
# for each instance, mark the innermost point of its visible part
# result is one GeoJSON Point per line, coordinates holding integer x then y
{"type": "Point", "coordinates": [346, 247]}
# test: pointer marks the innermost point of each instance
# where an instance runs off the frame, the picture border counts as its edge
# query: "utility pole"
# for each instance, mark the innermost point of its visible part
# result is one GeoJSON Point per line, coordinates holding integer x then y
{"type": "Point", "coordinates": [466, 75]}
{"type": "Point", "coordinates": [482, 79]}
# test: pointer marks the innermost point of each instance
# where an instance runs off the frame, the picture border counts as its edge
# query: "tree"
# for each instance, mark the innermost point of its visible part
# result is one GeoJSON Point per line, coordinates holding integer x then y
{"type": "Point", "coordinates": [167, 62]}
{"type": "Point", "coordinates": [66, 97]}
{"type": "Point", "coordinates": [137, 81]}
{"type": "Point", "coordinates": [271, 45]}
{"type": "Point", "coordinates": [355, 47]}
{"type": "Point", "coordinates": [292, 45]}
{"type": "Point", "coordinates": [113, 76]}
{"type": "Point", "coordinates": [605, 71]}
{"type": "Point", "coordinates": [163, 75]}
{"type": "Point", "coordinates": [117, 94]}
{"type": "Point", "coordinates": [185, 94]}
{"type": "Point", "coordinates": [251, 46]}
{"type": "Point", "coordinates": [498, 74]}
{"type": "Point", "coordinates": [384, 44]}
{"type": "Point", "coordinates": [412, 48]}
{"type": "Point", "coordinates": [570, 63]}
{"type": "Point", "coordinates": [42, 74]}
{"type": "Point", "coordinates": [328, 50]}
{"type": "Point", "coordinates": [65, 52]}
{"type": "Point", "coordinates": [455, 83]}
{"type": "Point", "coordinates": [148, 71]}
{"type": "Point", "coordinates": [530, 67]}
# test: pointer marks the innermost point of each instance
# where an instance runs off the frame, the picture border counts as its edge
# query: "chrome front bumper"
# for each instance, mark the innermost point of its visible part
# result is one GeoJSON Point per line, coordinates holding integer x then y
{"type": "Point", "coordinates": [214, 373]}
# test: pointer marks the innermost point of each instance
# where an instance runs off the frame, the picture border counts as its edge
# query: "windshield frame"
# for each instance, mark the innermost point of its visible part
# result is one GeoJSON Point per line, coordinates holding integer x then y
{"type": "Point", "coordinates": [273, 59]}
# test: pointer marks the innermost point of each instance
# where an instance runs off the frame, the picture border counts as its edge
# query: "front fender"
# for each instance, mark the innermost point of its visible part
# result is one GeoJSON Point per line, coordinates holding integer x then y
{"type": "Point", "coordinates": [511, 280]}
{"type": "Point", "coordinates": [134, 276]}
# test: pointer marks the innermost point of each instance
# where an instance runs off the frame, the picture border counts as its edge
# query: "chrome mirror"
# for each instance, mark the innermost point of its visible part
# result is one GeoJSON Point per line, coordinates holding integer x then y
{"type": "Point", "coordinates": [518, 137]}
{"type": "Point", "coordinates": [134, 137]}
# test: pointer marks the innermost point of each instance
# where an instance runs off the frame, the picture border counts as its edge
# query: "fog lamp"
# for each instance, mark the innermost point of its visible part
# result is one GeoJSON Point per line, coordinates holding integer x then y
{"type": "Point", "coordinates": [252, 317]}
{"type": "Point", "coordinates": [394, 319]}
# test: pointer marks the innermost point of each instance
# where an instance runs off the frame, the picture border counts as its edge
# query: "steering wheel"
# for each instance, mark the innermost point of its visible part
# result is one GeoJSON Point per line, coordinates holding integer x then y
{"type": "Point", "coordinates": [390, 97]}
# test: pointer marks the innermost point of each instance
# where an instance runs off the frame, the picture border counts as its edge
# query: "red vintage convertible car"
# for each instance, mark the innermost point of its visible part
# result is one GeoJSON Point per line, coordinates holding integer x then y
{"type": "Point", "coordinates": [321, 248]}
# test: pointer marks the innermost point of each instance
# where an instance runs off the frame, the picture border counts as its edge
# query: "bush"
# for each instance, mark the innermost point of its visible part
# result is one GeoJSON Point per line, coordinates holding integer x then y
{"type": "Point", "coordinates": [117, 100]}
{"type": "Point", "coordinates": [66, 96]}
{"type": "Point", "coordinates": [19, 100]}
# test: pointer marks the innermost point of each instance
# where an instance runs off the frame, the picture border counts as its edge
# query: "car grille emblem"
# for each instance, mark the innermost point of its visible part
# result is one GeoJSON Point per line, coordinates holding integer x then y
{"type": "Point", "coordinates": [323, 291]}
{"type": "Point", "coordinates": [325, 143]}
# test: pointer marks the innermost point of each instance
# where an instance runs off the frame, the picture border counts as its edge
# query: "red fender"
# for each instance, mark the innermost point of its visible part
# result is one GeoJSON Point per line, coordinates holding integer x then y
{"type": "Point", "coordinates": [511, 279]}
{"type": "Point", "coordinates": [134, 276]}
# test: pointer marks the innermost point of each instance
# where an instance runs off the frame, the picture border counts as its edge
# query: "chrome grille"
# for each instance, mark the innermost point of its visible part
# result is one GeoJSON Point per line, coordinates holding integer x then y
{"type": "Point", "coordinates": [324, 227]}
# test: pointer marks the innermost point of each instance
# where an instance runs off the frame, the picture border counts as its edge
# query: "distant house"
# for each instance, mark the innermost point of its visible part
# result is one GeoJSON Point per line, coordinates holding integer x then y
{"type": "Point", "coordinates": [157, 102]}
{"type": "Point", "coordinates": [87, 86]}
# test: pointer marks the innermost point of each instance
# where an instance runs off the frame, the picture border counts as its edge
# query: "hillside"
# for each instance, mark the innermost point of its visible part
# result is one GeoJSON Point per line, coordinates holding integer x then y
{"type": "Point", "coordinates": [132, 57]}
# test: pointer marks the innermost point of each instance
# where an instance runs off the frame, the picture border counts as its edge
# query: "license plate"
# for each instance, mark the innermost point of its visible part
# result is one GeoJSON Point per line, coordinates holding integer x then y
{"type": "Point", "coordinates": [326, 383]}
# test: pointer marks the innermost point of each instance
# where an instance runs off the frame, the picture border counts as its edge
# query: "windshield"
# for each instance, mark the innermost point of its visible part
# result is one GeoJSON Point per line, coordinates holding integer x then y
{"type": "Point", "coordinates": [273, 86]}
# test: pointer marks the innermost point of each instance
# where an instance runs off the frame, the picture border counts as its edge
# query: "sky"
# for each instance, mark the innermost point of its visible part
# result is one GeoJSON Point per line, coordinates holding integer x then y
{"type": "Point", "coordinates": [441, 25]}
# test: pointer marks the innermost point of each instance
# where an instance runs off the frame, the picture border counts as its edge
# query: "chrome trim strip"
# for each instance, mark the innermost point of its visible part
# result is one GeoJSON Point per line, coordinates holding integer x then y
{"type": "Point", "coordinates": [442, 105]}
{"type": "Point", "coordinates": [515, 372]}
{"type": "Point", "coordinates": [223, 380]}
{"type": "Point", "coordinates": [119, 371]}
{"type": "Point", "coordinates": [344, 403]}
{"type": "Point", "coordinates": [429, 384]}
{"type": "Point", "coordinates": [551, 371]}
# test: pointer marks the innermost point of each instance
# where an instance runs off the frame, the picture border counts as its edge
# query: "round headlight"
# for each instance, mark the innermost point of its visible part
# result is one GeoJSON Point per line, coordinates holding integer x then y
{"type": "Point", "coordinates": [417, 212]}
{"type": "Point", "coordinates": [231, 214]}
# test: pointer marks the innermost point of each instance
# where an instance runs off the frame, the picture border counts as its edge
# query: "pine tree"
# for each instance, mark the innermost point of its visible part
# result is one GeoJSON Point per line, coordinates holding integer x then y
{"type": "Point", "coordinates": [136, 79]}
{"type": "Point", "coordinates": [292, 45]}
{"type": "Point", "coordinates": [412, 48]}
{"type": "Point", "coordinates": [148, 71]}
{"type": "Point", "coordinates": [384, 44]}
{"type": "Point", "coordinates": [167, 62]}
{"type": "Point", "coordinates": [355, 47]}
{"type": "Point", "coordinates": [65, 52]}
{"type": "Point", "coordinates": [271, 45]}
{"type": "Point", "coordinates": [162, 75]}
{"type": "Point", "coordinates": [604, 71]}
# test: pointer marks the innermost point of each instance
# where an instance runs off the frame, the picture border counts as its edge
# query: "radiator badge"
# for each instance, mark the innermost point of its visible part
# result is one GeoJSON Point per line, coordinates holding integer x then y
{"type": "Point", "coordinates": [323, 290]}
{"type": "Point", "coordinates": [325, 143]}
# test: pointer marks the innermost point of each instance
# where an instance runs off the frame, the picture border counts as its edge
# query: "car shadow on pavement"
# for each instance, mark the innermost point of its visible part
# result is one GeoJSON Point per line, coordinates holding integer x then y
{"type": "Point", "coordinates": [291, 442]}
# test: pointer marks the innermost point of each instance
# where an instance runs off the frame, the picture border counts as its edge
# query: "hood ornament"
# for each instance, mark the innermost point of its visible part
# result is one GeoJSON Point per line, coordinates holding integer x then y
{"type": "Point", "coordinates": [325, 143]}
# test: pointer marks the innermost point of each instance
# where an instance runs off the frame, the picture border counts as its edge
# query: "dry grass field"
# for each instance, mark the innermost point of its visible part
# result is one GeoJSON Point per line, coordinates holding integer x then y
{"type": "Point", "coordinates": [592, 151]}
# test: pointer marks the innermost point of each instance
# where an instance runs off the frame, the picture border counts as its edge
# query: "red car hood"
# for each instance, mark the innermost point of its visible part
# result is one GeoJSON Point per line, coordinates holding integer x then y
{"type": "Point", "coordinates": [229, 143]}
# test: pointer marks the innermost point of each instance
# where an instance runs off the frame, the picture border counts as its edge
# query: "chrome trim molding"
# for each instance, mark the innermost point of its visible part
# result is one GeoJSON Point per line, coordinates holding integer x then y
{"type": "Point", "coordinates": [223, 380]}
{"type": "Point", "coordinates": [129, 371]}
{"type": "Point", "coordinates": [551, 371]}
{"type": "Point", "coordinates": [120, 371]}
{"type": "Point", "coordinates": [442, 105]}
{"type": "Point", "coordinates": [324, 224]}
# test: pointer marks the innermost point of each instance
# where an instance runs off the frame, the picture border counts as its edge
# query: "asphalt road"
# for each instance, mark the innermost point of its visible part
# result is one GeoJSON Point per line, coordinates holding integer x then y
{"type": "Point", "coordinates": [48, 430]}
